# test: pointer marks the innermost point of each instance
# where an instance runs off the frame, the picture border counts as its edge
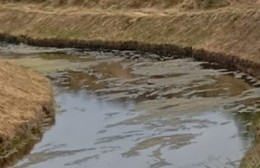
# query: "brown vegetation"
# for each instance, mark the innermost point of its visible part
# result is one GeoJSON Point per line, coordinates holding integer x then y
{"type": "Point", "coordinates": [25, 101]}
{"type": "Point", "coordinates": [227, 26]}
{"type": "Point", "coordinates": [135, 4]}
{"type": "Point", "coordinates": [233, 31]}
{"type": "Point", "coordinates": [252, 158]}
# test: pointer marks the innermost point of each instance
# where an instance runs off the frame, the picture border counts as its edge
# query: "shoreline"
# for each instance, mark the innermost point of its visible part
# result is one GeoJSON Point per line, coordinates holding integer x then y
{"type": "Point", "coordinates": [26, 106]}
{"type": "Point", "coordinates": [222, 36]}
{"type": "Point", "coordinates": [169, 51]}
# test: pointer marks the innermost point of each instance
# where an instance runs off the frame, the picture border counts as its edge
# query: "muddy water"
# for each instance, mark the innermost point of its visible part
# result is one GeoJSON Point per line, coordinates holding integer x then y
{"type": "Point", "coordinates": [117, 112]}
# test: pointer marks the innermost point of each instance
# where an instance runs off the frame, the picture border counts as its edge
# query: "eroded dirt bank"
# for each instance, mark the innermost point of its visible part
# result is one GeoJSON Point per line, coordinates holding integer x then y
{"type": "Point", "coordinates": [26, 102]}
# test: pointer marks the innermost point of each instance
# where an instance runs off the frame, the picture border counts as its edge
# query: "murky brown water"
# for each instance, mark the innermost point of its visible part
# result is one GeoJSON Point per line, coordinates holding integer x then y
{"type": "Point", "coordinates": [114, 112]}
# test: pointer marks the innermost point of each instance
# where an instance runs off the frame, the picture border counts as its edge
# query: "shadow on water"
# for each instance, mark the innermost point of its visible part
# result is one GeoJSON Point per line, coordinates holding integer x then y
{"type": "Point", "coordinates": [115, 112]}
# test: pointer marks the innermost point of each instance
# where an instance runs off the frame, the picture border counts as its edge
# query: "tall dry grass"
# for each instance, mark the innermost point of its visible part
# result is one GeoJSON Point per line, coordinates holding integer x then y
{"type": "Point", "coordinates": [25, 100]}
{"type": "Point", "coordinates": [136, 4]}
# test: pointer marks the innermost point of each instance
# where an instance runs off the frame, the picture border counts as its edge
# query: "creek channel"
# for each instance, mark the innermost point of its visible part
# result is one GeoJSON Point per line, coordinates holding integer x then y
{"type": "Point", "coordinates": [123, 109]}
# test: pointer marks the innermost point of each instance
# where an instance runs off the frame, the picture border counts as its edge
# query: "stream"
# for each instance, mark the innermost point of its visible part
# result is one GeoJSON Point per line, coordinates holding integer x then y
{"type": "Point", "coordinates": [122, 109]}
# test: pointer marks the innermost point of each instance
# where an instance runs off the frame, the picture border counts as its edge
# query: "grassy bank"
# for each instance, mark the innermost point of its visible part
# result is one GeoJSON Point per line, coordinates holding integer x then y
{"type": "Point", "coordinates": [137, 4]}
{"type": "Point", "coordinates": [166, 51]}
{"type": "Point", "coordinates": [25, 104]}
{"type": "Point", "coordinates": [229, 30]}
{"type": "Point", "coordinates": [233, 31]}
{"type": "Point", "coordinates": [226, 32]}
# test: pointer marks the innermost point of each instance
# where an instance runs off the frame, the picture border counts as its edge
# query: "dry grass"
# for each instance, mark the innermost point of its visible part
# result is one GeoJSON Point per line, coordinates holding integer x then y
{"type": "Point", "coordinates": [25, 98]}
{"type": "Point", "coordinates": [252, 158]}
{"type": "Point", "coordinates": [137, 4]}
{"type": "Point", "coordinates": [231, 30]}
{"type": "Point", "coordinates": [229, 26]}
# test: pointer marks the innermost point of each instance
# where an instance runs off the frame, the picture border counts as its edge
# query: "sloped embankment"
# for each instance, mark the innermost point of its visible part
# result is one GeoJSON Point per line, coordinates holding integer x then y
{"type": "Point", "coordinates": [137, 4]}
{"type": "Point", "coordinates": [228, 33]}
{"type": "Point", "coordinates": [228, 30]}
{"type": "Point", "coordinates": [231, 31]}
{"type": "Point", "coordinates": [26, 102]}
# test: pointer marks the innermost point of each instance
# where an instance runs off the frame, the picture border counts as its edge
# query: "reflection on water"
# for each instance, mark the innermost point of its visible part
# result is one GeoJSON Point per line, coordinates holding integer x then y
{"type": "Point", "coordinates": [114, 70]}
{"type": "Point", "coordinates": [121, 113]}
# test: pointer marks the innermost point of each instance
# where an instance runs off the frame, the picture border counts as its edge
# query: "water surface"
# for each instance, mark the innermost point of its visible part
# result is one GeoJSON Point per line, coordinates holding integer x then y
{"type": "Point", "coordinates": [117, 112]}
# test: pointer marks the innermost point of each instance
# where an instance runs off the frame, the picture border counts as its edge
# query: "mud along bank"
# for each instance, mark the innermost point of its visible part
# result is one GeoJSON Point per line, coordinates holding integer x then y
{"type": "Point", "coordinates": [25, 104]}
{"type": "Point", "coordinates": [229, 36]}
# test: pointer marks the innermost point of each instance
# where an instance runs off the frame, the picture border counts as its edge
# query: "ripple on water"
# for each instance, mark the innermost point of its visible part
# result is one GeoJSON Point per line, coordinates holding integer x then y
{"type": "Point", "coordinates": [121, 113]}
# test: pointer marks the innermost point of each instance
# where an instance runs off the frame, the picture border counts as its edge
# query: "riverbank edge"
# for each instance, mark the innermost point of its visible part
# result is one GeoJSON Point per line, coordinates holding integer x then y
{"type": "Point", "coordinates": [14, 149]}
{"type": "Point", "coordinates": [22, 145]}
{"type": "Point", "coordinates": [165, 51]}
